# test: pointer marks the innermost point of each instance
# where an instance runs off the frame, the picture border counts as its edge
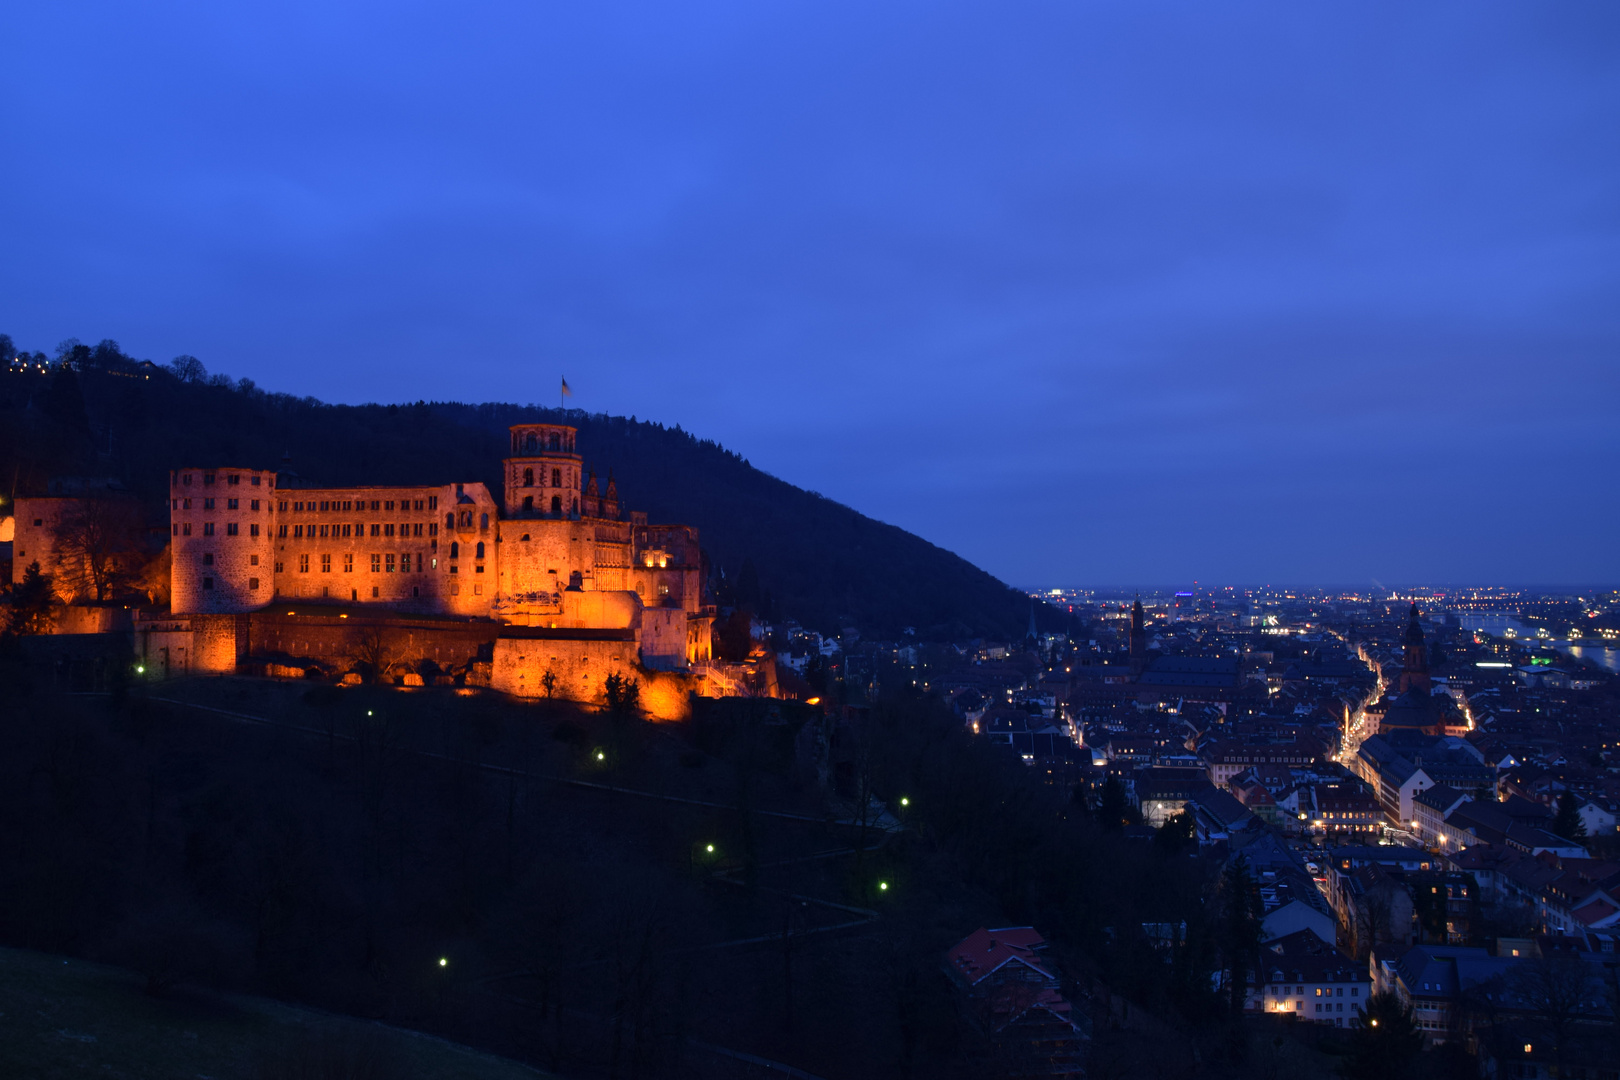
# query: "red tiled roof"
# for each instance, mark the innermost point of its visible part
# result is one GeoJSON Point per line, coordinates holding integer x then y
{"type": "Point", "coordinates": [985, 951]}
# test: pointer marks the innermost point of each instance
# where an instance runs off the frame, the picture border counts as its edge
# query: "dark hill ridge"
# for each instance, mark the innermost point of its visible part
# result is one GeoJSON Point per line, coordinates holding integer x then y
{"type": "Point", "coordinates": [815, 560]}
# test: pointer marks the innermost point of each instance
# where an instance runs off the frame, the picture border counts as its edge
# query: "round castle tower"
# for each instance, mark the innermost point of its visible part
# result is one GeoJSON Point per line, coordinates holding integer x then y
{"type": "Point", "coordinates": [220, 537]}
{"type": "Point", "coordinates": [543, 472]}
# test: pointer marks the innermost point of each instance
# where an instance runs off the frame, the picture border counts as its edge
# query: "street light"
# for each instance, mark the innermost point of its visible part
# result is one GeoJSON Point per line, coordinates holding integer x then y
{"type": "Point", "coordinates": [444, 961]}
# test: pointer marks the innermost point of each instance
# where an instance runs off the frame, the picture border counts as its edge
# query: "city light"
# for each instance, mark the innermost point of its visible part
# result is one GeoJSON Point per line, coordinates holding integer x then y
{"type": "Point", "coordinates": [883, 886]}
{"type": "Point", "coordinates": [444, 961]}
{"type": "Point", "coordinates": [904, 801]}
{"type": "Point", "coordinates": [709, 848]}
{"type": "Point", "coordinates": [601, 756]}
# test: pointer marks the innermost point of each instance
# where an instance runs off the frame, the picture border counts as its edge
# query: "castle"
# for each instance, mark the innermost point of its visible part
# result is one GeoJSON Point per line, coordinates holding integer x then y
{"type": "Point", "coordinates": [547, 586]}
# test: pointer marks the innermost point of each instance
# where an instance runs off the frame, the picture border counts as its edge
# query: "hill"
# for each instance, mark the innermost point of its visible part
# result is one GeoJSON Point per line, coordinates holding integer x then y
{"type": "Point", "coordinates": [62, 1017]}
{"type": "Point", "coordinates": [784, 551]}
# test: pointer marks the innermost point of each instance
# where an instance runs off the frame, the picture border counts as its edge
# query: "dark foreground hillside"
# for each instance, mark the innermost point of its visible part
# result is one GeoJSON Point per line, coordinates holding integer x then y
{"type": "Point", "coordinates": [540, 882]}
{"type": "Point", "coordinates": [779, 549]}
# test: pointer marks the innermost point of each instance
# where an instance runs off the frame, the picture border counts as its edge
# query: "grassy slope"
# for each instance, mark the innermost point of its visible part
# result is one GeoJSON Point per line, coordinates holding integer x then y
{"type": "Point", "coordinates": [68, 1018]}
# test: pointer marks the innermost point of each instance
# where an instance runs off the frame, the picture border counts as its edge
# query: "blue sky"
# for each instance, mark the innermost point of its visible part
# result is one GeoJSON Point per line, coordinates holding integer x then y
{"type": "Point", "coordinates": [1087, 292]}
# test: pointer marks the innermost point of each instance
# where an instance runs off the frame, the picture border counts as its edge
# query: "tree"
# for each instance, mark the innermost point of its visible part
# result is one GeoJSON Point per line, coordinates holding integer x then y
{"type": "Point", "coordinates": [623, 694]}
{"type": "Point", "coordinates": [1560, 992]}
{"type": "Point", "coordinates": [32, 602]}
{"type": "Point", "coordinates": [1111, 809]}
{"type": "Point", "coordinates": [374, 653]}
{"type": "Point", "coordinates": [1241, 909]}
{"type": "Point", "coordinates": [97, 543]}
{"type": "Point", "coordinates": [188, 369]}
{"type": "Point", "coordinates": [1385, 1040]}
{"type": "Point", "coordinates": [1568, 823]}
{"type": "Point", "coordinates": [1175, 834]}
{"type": "Point", "coordinates": [548, 683]}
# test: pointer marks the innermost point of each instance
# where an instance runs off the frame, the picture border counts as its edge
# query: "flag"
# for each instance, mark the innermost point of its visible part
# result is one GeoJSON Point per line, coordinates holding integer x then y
{"type": "Point", "coordinates": [565, 391]}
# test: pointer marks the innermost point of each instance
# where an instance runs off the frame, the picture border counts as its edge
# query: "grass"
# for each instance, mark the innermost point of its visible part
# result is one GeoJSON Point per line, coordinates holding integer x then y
{"type": "Point", "coordinates": [67, 1018]}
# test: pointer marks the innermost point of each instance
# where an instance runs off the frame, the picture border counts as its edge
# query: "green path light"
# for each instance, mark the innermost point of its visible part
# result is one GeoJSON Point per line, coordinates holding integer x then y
{"type": "Point", "coordinates": [709, 848]}
{"type": "Point", "coordinates": [444, 961]}
{"type": "Point", "coordinates": [140, 669]}
{"type": "Point", "coordinates": [904, 801]}
{"type": "Point", "coordinates": [601, 756]}
{"type": "Point", "coordinates": [883, 886]}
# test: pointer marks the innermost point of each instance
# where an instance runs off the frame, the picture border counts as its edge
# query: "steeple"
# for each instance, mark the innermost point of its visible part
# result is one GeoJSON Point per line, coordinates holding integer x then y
{"type": "Point", "coordinates": [1416, 659]}
{"type": "Point", "coordinates": [1138, 637]}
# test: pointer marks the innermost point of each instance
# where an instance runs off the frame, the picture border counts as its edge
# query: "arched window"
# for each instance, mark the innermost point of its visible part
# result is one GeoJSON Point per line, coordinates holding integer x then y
{"type": "Point", "coordinates": [531, 443]}
{"type": "Point", "coordinates": [480, 554]}
{"type": "Point", "coordinates": [556, 478]}
{"type": "Point", "coordinates": [528, 478]}
{"type": "Point", "coordinates": [556, 441]}
{"type": "Point", "coordinates": [528, 504]}
{"type": "Point", "coordinates": [483, 521]}
{"type": "Point", "coordinates": [466, 518]}
{"type": "Point", "coordinates": [576, 506]}
{"type": "Point", "coordinates": [455, 550]}
{"type": "Point", "coordinates": [556, 504]}
{"type": "Point", "coordinates": [449, 521]}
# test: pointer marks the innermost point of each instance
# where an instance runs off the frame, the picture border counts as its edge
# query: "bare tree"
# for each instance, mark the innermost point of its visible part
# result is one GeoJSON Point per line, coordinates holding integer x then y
{"type": "Point", "coordinates": [374, 650]}
{"type": "Point", "coordinates": [97, 542]}
{"type": "Point", "coordinates": [1560, 992]}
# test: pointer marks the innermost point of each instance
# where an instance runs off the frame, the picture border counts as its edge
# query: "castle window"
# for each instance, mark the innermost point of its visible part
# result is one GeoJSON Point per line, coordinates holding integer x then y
{"type": "Point", "coordinates": [528, 478]}
{"type": "Point", "coordinates": [253, 504]}
{"type": "Point", "coordinates": [556, 504]}
{"type": "Point", "coordinates": [478, 590]}
{"type": "Point", "coordinates": [466, 519]}
{"type": "Point", "coordinates": [455, 550]}
{"type": "Point", "coordinates": [374, 592]}
{"type": "Point", "coordinates": [326, 564]}
{"type": "Point", "coordinates": [455, 569]}
{"type": "Point", "coordinates": [298, 530]}
{"type": "Point", "coordinates": [186, 479]}
{"type": "Point", "coordinates": [282, 506]}
{"type": "Point", "coordinates": [254, 480]}
{"type": "Point", "coordinates": [389, 568]}
{"type": "Point", "coordinates": [556, 478]}
{"type": "Point", "coordinates": [480, 550]}
{"type": "Point", "coordinates": [232, 504]}
{"type": "Point", "coordinates": [479, 569]}
{"type": "Point", "coordinates": [208, 558]}
{"type": "Point", "coordinates": [253, 560]}
{"type": "Point", "coordinates": [208, 504]}
{"type": "Point", "coordinates": [348, 564]}
{"type": "Point", "coordinates": [208, 583]}
{"type": "Point", "coordinates": [483, 521]}
{"type": "Point", "coordinates": [415, 591]}
{"type": "Point", "coordinates": [556, 441]}
{"type": "Point", "coordinates": [208, 528]}
{"type": "Point", "coordinates": [233, 479]}
{"type": "Point", "coordinates": [433, 502]}
{"type": "Point", "coordinates": [253, 582]}
{"type": "Point", "coordinates": [208, 478]}
{"type": "Point", "coordinates": [230, 528]}
{"type": "Point", "coordinates": [525, 536]}
{"type": "Point", "coordinates": [416, 530]}
{"type": "Point", "coordinates": [298, 506]}
{"type": "Point", "coordinates": [528, 504]}
{"type": "Point", "coordinates": [433, 529]}
{"type": "Point", "coordinates": [345, 530]}
{"type": "Point", "coordinates": [376, 564]}
{"type": "Point", "coordinates": [185, 504]}
{"type": "Point", "coordinates": [389, 505]}
{"type": "Point", "coordinates": [185, 530]}
{"type": "Point", "coordinates": [303, 564]}
{"type": "Point", "coordinates": [278, 567]}
{"type": "Point", "coordinates": [418, 562]}
{"type": "Point", "coordinates": [376, 530]}
{"type": "Point", "coordinates": [531, 442]}
{"type": "Point", "coordinates": [176, 529]}
{"type": "Point", "coordinates": [455, 589]}
{"type": "Point", "coordinates": [388, 530]}
{"type": "Point", "coordinates": [280, 530]}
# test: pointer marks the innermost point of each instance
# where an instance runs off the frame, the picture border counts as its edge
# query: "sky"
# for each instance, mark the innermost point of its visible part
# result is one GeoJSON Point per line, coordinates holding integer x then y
{"type": "Point", "coordinates": [1089, 293]}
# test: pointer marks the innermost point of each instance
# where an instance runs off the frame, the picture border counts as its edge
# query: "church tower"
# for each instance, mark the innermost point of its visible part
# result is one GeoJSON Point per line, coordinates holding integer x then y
{"type": "Point", "coordinates": [543, 472]}
{"type": "Point", "coordinates": [1415, 663]}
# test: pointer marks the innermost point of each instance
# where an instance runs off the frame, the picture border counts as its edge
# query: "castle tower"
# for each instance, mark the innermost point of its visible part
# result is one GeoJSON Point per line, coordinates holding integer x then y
{"type": "Point", "coordinates": [1415, 663]}
{"type": "Point", "coordinates": [220, 537]}
{"type": "Point", "coordinates": [543, 472]}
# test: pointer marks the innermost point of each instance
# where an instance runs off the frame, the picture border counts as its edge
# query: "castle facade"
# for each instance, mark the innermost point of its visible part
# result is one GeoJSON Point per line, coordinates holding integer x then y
{"type": "Point", "coordinates": [551, 560]}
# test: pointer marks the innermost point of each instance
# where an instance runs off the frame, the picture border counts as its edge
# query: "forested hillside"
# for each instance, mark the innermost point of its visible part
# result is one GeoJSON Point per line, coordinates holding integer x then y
{"type": "Point", "coordinates": [781, 549]}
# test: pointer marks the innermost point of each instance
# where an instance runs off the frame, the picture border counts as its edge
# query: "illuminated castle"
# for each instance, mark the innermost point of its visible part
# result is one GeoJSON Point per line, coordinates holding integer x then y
{"type": "Point", "coordinates": [552, 561]}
